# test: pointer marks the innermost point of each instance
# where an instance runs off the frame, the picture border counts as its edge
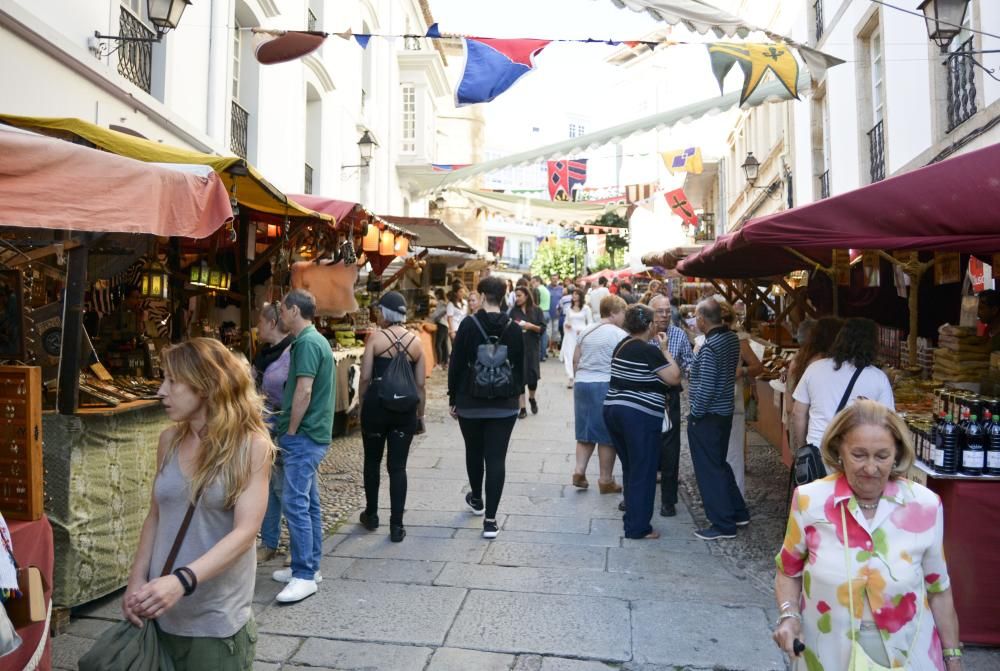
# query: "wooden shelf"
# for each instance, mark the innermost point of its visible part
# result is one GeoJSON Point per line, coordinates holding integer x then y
{"type": "Point", "coordinates": [131, 406]}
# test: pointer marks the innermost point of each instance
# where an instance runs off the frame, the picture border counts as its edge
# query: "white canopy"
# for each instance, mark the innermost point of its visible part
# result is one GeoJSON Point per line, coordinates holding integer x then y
{"type": "Point", "coordinates": [543, 211]}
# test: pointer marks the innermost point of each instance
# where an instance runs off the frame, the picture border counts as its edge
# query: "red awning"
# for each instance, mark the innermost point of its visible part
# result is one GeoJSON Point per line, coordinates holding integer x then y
{"type": "Point", "coordinates": [431, 233]}
{"type": "Point", "coordinates": [54, 184]}
{"type": "Point", "coordinates": [347, 214]}
{"type": "Point", "coordinates": [950, 206]}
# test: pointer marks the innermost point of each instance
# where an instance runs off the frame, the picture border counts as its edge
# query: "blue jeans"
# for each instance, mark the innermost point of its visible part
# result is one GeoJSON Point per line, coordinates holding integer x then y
{"type": "Point", "coordinates": [270, 528]}
{"type": "Point", "coordinates": [708, 442]}
{"type": "Point", "coordinates": [300, 502]}
{"type": "Point", "coordinates": [636, 437]}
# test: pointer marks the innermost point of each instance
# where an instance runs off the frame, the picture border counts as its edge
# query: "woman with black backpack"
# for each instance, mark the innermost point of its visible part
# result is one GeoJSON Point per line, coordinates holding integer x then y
{"type": "Point", "coordinates": [485, 380]}
{"type": "Point", "coordinates": [392, 396]}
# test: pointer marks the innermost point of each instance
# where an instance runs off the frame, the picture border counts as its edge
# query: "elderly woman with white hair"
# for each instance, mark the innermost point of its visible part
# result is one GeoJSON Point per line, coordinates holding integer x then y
{"type": "Point", "coordinates": [381, 426]}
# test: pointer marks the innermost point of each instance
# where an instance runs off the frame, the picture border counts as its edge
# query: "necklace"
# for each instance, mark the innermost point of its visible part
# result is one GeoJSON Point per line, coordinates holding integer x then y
{"type": "Point", "coordinates": [868, 506]}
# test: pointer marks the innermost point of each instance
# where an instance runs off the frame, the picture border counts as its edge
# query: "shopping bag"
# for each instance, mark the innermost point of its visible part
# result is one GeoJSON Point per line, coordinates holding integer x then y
{"type": "Point", "coordinates": [125, 647]}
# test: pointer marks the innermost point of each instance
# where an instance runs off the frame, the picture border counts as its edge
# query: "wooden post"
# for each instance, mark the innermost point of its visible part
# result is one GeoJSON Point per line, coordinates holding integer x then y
{"type": "Point", "coordinates": [70, 350]}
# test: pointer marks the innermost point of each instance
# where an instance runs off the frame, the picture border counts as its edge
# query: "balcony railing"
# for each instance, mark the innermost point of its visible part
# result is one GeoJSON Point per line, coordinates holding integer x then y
{"type": "Point", "coordinates": [876, 152]}
{"type": "Point", "coordinates": [239, 130]}
{"type": "Point", "coordinates": [818, 11]}
{"type": "Point", "coordinates": [961, 85]}
{"type": "Point", "coordinates": [135, 59]}
{"type": "Point", "coordinates": [824, 185]}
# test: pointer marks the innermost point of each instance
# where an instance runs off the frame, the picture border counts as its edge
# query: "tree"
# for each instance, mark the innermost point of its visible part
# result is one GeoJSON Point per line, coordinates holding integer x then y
{"type": "Point", "coordinates": [564, 258]}
{"type": "Point", "coordinates": [603, 262]}
{"type": "Point", "coordinates": [615, 243]}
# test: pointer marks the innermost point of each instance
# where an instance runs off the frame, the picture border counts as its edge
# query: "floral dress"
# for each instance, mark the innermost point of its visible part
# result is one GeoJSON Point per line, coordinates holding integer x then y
{"type": "Point", "coordinates": [889, 556]}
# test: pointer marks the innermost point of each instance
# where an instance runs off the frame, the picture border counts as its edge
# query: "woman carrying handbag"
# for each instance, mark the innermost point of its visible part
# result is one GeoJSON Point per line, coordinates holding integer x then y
{"type": "Point", "coordinates": [212, 475]}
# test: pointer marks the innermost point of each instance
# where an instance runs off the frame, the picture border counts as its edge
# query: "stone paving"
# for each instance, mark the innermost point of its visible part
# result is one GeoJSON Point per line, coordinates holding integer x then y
{"type": "Point", "coordinates": [559, 590]}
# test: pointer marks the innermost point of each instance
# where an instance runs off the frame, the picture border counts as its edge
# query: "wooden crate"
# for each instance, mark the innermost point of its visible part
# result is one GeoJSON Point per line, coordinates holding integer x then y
{"type": "Point", "coordinates": [21, 488]}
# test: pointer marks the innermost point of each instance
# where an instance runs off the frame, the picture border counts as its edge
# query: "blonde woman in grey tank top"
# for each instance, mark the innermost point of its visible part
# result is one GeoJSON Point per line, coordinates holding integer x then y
{"type": "Point", "coordinates": [220, 447]}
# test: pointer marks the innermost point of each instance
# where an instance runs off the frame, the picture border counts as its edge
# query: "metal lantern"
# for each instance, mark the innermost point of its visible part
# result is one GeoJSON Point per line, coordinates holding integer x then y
{"type": "Point", "coordinates": [370, 241]}
{"type": "Point", "coordinates": [387, 245]}
{"type": "Point", "coordinates": [402, 246]}
{"type": "Point", "coordinates": [215, 278]}
{"type": "Point", "coordinates": [199, 274]}
{"type": "Point", "coordinates": [751, 168]}
{"type": "Point", "coordinates": [154, 280]}
{"type": "Point", "coordinates": [944, 19]}
{"type": "Point", "coordinates": [225, 281]}
{"type": "Point", "coordinates": [166, 14]}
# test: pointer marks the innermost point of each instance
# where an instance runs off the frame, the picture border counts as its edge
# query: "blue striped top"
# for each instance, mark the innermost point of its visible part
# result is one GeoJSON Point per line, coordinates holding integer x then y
{"type": "Point", "coordinates": [713, 374]}
{"type": "Point", "coordinates": [634, 382]}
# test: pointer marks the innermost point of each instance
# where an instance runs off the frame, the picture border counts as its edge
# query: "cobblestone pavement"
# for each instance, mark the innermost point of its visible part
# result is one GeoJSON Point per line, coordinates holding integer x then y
{"type": "Point", "coordinates": [559, 590]}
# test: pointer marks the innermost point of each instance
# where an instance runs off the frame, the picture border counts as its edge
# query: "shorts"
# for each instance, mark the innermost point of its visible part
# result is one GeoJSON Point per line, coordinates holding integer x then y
{"type": "Point", "coordinates": [588, 407]}
{"type": "Point", "coordinates": [196, 653]}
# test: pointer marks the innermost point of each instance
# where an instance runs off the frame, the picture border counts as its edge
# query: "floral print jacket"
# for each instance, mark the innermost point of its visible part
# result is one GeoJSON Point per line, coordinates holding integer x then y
{"type": "Point", "coordinates": [889, 556]}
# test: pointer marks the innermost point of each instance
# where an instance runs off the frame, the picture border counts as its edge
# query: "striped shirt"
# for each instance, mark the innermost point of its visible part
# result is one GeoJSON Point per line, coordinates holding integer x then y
{"type": "Point", "coordinates": [713, 374]}
{"type": "Point", "coordinates": [634, 382]}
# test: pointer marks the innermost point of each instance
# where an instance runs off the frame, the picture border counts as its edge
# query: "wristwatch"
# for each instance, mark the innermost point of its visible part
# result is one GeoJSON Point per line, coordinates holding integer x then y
{"type": "Point", "coordinates": [951, 653]}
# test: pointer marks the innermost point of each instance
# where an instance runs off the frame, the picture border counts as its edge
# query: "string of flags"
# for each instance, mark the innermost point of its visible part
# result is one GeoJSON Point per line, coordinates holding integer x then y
{"type": "Point", "coordinates": [493, 65]}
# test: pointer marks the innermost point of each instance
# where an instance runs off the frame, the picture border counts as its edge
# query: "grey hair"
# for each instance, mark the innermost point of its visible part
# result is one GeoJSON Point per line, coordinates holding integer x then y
{"type": "Point", "coordinates": [303, 300]}
{"type": "Point", "coordinates": [711, 311]}
{"type": "Point", "coordinates": [391, 316]}
{"type": "Point", "coordinates": [269, 311]}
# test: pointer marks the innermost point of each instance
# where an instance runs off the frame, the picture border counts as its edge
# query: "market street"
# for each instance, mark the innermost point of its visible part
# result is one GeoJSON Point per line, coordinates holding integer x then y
{"type": "Point", "coordinates": [558, 590]}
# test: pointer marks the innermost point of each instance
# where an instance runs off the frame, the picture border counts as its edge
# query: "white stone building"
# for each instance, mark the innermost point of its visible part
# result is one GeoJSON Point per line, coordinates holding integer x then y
{"type": "Point", "coordinates": [200, 87]}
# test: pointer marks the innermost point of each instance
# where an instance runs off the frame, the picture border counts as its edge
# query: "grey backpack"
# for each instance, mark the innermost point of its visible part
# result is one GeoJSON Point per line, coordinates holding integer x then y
{"type": "Point", "coordinates": [492, 374]}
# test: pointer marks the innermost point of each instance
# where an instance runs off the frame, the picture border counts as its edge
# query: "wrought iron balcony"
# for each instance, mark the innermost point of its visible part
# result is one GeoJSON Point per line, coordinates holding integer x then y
{"type": "Point", "coordinates": [876, 152]}
{"type": "Point", "coordinates": [818, 11]}
{"type": "Point", "coordinates": [308, 186]}
{"type": "Point", "coordinates": [824, 185]}
{"type": "Point", "coordinates": [135, 59]}
{"type": "Point", "coordinates": [961, 85]}
{"type": "Point", "coordinates": [239, 130]}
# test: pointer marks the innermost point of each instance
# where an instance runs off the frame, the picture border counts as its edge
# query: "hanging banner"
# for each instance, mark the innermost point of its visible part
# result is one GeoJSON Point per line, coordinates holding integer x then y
{"type": "Point", "coordinates": [755, 60]}
{"type": "Point", "coordinates": [683, 160]}
{"type": "Point", "coordinates": [564, 176]}
{"type": "Point", "coordinates": [947, 267]}
{"type": "Point", "coordinates": [492, 67]}
{"type": "Point", "coordinates": [681, 206]}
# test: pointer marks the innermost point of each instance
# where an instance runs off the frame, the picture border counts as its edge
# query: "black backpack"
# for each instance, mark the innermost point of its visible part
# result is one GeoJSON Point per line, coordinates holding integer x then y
{"type": "Point", "coordinates": [397, 388]}
{"type": "Point", "coordinates": [492, 374]}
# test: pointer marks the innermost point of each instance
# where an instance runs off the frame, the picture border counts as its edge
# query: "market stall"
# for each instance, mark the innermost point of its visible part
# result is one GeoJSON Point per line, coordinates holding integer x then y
{"type": "Point", "coordinates": [895, 251]}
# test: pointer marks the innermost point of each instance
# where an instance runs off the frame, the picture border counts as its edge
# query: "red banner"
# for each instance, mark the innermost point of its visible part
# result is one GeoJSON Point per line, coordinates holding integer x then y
{"type": "Point", "coordinates": [681, 206]}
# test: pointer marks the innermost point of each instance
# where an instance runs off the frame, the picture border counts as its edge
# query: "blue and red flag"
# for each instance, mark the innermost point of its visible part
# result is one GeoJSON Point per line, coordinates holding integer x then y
{"type": "Point", "coordinates": [448, 167]}
{"type": "Point", "coordinates": [492, 66]}
{"type": "Point", "coordinates": [564, 175]}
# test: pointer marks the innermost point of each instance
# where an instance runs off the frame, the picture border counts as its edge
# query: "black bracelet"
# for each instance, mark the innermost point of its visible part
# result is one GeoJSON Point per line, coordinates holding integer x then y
{"type": "Point", "coordinates": [189, 581]}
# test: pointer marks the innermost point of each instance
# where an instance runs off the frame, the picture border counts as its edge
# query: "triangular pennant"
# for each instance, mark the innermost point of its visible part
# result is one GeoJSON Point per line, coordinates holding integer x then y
{"type": "Point", "coordinates": [363, 40]}
{"type": "Point", "coordinates": [433, 31]}
{"type": "Point", "coordinates": [681, 206]}
{"type": "Point", "coordinates": [346, 35]}
{"type": "Point", "coordinates": [288, 47]}
{"type": "Point", "coordinates": [755, 60]}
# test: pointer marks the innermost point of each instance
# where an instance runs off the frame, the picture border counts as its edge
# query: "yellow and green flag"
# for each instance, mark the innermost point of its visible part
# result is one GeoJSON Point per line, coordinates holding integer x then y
{"type": "Point", "coordinates": [755, 60]}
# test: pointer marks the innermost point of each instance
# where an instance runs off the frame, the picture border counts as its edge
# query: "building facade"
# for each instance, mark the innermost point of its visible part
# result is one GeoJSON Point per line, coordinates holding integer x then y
{"type": "Point", "coordinates": [201, 87]}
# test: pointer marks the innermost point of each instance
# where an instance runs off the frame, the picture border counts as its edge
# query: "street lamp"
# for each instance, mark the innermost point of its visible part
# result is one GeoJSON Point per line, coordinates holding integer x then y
{"type": "Point", "coordinates": [944, 19]}
{"type": "Point", "coordinates": [164, 14]}
{"type": "Point", "coordinates": [751, 168]}
{"type": "Point", "coordinates": [366, 148]}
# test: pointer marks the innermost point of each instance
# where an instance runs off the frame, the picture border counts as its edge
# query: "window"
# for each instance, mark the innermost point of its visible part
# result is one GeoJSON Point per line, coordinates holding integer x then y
{"type": "Point", "coordinates": [878, 85]}
{"type": "Point", "coordinates": [524, 253]}
{"type": "Point", "coordinates": [576, 129]}
{"type": "Point", "coordinates": [409, 145]}
{"type": "Point", "coordinates": [871, 83]}
{"type": "Point", "coordinates": [308, 178]}
{"type": "Point", "coordinates": [237, 48]}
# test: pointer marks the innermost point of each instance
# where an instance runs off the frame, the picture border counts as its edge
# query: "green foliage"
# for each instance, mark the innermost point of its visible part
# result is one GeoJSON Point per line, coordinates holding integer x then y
{"type": "Point", "coordinates": [603, 262]}
{"type": "Point", "coordinates": [615, 243]}
{"type": "Point", "coordinates": [565, 258]}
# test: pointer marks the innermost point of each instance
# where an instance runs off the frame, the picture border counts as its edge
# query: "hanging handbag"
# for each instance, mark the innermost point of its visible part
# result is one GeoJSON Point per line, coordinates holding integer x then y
{"type": "Point", "coordinates": [750, 398]}
{"type": "Point", "coordinates": [125, 647]}
{"type": "Point", "coordinates": [860, 661]}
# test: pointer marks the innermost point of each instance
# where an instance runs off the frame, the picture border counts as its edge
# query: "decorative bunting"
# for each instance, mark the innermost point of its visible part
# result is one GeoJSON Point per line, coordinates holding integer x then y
{"type": "Point", "coordinates": [448, 167]}
{"type": "Point", "coordinates": [492, 67]}
{"type": "Point", "coordinates": [636, 193]}
{"type": "Point", "coordinates": [681, 206]}
{"type": "Point", "coordinates": [433, 31]}
{"type": "Point", "coordinates": [755, 60]}
{"type": "Point", "coordinates": [564, 176]}
{"type": "Point", "coordinates": [363, 40]}
{"type": "Point", "coordinates": [683, 160]}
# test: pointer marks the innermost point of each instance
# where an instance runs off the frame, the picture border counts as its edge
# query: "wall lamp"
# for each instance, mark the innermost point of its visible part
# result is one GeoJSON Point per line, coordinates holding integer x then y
{"type": "Point", "coordinates": [366, 148]}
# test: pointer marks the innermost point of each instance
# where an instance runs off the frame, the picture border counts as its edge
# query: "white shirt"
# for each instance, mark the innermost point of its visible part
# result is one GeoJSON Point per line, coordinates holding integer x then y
{"type": "Point", "coordinates": [822, 387]}
{"type": "Point", "coordinates": [595, 297]}
{"type": "Point", "coordinates": [597, 345]}
{"type": "Point", "coordinates": [456, 314]}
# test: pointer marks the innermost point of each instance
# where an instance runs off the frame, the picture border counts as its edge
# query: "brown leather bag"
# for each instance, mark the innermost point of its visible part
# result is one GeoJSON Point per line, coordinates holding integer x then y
{"type": "Point", "coordinates": [332, 284]}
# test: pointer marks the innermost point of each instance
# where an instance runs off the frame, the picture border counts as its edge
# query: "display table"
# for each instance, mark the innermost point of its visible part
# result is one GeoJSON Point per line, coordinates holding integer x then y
{"type": "Point", "coordinates": [972, 546]}
{"type": "Point", "coordinates": [100, 465]}
{"type": "Point", "coordinates": [33, 546]}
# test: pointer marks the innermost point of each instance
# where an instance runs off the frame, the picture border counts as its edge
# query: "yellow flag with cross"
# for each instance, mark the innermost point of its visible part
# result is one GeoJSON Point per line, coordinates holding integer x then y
{"type": "Point", "coordinates": [755, 60]}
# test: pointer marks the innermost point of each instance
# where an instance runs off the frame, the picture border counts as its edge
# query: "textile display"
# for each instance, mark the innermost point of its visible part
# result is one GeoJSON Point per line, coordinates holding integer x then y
{"type": "Point", "coordinates": [100, 470]}
{"type": "Point", "coordinates": [32, 543]}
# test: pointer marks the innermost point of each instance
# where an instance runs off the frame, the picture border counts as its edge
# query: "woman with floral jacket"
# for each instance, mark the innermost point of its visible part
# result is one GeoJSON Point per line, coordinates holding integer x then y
{"type": "Point", "coordinates": [889, 588]}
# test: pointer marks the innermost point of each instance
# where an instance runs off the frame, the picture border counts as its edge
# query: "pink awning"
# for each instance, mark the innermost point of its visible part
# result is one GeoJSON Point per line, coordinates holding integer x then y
{"type": "Point", "coordinates": [949, 206]}
{"type": "Point", "coordinates": [338, 209]}
{"type": "Point", "coordinates": [54, 184]}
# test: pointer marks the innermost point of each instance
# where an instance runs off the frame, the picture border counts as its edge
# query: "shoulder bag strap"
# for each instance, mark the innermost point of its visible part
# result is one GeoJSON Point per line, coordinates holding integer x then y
{"type": "Point", "coordinates": [481, 329]}
{"type": "Point", "coordinates": [168, 567]}
{"type": "Point", "coordinates": [850, 388]}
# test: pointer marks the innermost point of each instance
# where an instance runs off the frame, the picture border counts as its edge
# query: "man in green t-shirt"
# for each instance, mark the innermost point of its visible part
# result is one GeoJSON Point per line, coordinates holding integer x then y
{"type": "Point", "coordinates": [304, 427]}
{"type": "Point", "coordinates": [545, 305]}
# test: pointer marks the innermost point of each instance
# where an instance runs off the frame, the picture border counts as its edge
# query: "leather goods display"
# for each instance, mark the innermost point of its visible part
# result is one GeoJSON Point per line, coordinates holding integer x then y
{"type": "Point", "coordinates": [332, 284]}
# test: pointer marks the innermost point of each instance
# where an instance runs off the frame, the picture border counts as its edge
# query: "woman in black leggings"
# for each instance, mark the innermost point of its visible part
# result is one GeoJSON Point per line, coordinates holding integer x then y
{"type": "Point", "coordinates": [381, 426]}
{"type": "Point", "coordinates": [486, 423]}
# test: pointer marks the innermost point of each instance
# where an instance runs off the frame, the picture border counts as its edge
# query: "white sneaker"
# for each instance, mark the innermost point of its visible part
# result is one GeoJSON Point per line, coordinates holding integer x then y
{"type": "Point", "coordinates": [285, 575]}
{"type": "Point", "coordinates": [297, 590]}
